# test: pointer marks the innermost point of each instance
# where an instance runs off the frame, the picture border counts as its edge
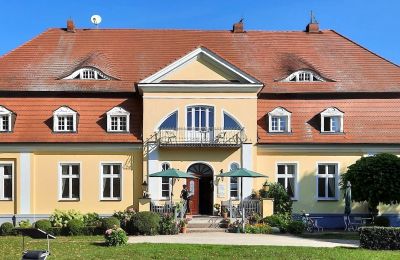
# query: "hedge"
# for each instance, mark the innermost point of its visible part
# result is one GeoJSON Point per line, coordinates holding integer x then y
{"type": "Point", "coordinates": [379, 238]}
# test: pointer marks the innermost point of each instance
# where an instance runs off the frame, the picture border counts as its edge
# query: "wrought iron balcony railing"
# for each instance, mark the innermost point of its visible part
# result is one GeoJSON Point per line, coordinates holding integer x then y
{"type": "Point", "coordinates": [203, 136]}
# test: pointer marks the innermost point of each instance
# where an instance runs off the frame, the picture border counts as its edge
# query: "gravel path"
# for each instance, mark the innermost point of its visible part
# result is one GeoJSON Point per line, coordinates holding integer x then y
{"type": "Point", "coordinates": [221, 238]}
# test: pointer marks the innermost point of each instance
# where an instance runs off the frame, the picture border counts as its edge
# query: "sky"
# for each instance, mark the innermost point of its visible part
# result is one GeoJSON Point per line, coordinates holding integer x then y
{"type": "Point", "coordinates": [372, 24]}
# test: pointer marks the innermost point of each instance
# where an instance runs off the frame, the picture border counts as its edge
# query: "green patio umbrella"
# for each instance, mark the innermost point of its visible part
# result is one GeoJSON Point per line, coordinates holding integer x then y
{"type": "Point", "coordinates": [242, 173]}
{"type": "Point", "coordinates": [347, 199]}
{"type": "Point", "coordinates": [174, 174]}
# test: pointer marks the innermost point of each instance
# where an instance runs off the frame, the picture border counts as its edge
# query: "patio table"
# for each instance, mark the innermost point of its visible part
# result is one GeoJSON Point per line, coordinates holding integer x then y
{"type": "Point", "coordinates": [314, 221]}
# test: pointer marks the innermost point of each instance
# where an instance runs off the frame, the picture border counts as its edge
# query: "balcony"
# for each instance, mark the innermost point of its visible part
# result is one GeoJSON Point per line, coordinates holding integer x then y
{"type": "Point", "coordinates": [200, 137]}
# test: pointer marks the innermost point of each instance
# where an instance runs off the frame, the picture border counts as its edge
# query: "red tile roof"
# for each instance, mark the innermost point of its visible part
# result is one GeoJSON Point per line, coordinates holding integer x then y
{"type": "Point", "coordinates": [131, 55]}
{"type": "Point", "coordinates": [366, 120]}
{"type": "Point", "coordinates": [34, 122]}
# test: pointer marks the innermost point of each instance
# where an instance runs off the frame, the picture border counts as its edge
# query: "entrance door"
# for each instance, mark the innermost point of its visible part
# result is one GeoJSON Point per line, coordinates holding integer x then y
{"type": "Point", "coordinates": [201, 189]}
{"type": "Point", "coordinates": [200, 123]}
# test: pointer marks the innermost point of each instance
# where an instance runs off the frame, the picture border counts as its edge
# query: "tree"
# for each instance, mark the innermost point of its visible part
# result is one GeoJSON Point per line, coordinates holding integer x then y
{"type": "Point", "coordinates": [374, 179]}
{"type": "Point", "coordinates": [282, 201]}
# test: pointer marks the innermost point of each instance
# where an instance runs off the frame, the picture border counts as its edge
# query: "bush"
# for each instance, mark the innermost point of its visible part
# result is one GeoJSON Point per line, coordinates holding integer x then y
{"type": "Point", "coordinates": [296, 227]}
{"type": "Point", "coordinates": [57, 231]}
{"type": "Point", "coordinates": [75, 227]}
{"type": "Point", "coordinates": [92, 220]}
{"type": "Point", "coordinates": [6, 229]}
{"type": "Point", "coordinates": [379, 238]}
{"type": "Point", "coordinates": [124, 216]}
{"type": "Point", "coordinates": [115, 237]}
{"type": "Point", "coordinates": [60, 218]}
{"type": "Point", "coordinates": [282, 201]}
{"type": "Point", "coordinates": [92, 231]}
{"type": "Point", "coordinates": [258, 229]}
{"type": "Point", "coordinates": [25, 224]}
{"type": "Point", "coordinates": [280, 221]}
{"type": "Point", "coordinates": [109, 223]}
{"type": "Point", "coordinates": [168, 225]}
{"type": "Point", "coordinates": [381, 221]}
{"type": "Point", "coordinates": [144, 223]}
{"type": "Point", "coordinates": [43, 224]}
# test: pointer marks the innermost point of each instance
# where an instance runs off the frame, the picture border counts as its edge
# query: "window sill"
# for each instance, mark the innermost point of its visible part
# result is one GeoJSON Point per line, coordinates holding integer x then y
{"type": "Point", "coordinates": [332, 133]}
{"type": "Point", "coordinates": [68, 200]}
{"type": "Point", "coordinates": [280, 133]}
{"type": "Point", "coordinates": [327, 199]}
{"type": "Point", "coordinates": [118, 132]}
{"type": "Point", "coordinates": [110, 199]}
{"type": "Point", "coordinates": [6, 199]}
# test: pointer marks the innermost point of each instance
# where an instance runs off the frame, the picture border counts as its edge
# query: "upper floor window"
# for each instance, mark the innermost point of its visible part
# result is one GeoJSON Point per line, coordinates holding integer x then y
{"type": "Point", "coordinates": [118, 120]}
{"type": "Point", "coordinates": [88, 73]}
{"type": "Point", "coordinates": [6, 119]}
{"type": "Point", "coordinates": [303, 76]}
{"type": "Point", "coordinates": [230, 123]}
{"type": "Point", "coordinates": [64, 120]}
{"type": "Point", "coordinates": [332, 120]}
{"type": "Point", "coordinates": [200, 117]}
{"type": "Point", "coordinates": [171, 122]}
{"type": "Point", "coordinates": [279, 120]}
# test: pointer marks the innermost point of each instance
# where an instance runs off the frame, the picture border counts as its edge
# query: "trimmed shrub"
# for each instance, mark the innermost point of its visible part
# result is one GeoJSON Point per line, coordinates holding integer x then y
{"type": "Point", "coordinates": [75, 227]}
{"type": "Point", "coordinates": [25, 224]}
{"type": "Point", "coordinates": [108, 223]}
{"type": "Point", "coordinates": [258, 229]}
{"type": "Point", "coordinates": [115, 237]}
{"type": "Point", "coordinates": [92, 219]}
{"type": "Point", "coordinates": [381, 221]}
{"type": "Point", "coordinates": [57, 231]}
{"type": "Point", "coordinates": [144, 223]}
{"type": "Point", "coordinates": [60, 218]}
{"type": "Point", "coordinates": [6, 229]}
{"type": "Point", "coordinates": [379, 238]}
{"type": "Point", "coordinates": [168, 225]}
{"type": "Point", "coordinates": [92, 231]}
{"type": "Point", "coordinates": [296, 227]}
{"type": "Point", "coordinates": [280, 221]}
{"type": "Point", "coordinates": [124, 216]}
{"type": "Point", "coordinates": [43, 224]}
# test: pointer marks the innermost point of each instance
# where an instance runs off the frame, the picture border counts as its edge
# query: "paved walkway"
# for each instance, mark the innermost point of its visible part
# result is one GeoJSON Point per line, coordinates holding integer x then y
{"type": "Point", "coordinates": [222, 238]}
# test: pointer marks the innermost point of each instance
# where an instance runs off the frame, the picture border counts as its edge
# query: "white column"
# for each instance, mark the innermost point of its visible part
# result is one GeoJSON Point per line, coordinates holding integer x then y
{"type": "Point", "coordinates": [247, 163]}
{"type": "Point", "coordinates": [153, 166]}
{"type": "Point", "coordinates": [25, 183]}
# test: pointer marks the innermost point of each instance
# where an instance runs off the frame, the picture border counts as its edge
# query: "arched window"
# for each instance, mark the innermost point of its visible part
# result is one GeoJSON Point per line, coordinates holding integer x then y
{"type": "Point", "coordinates": [234, 183]}
{"type": "Point", "coordinates": [303, 76]}
{"type": "Point", "coordinates": [88, 73]}
{"type": "Point", "coordinates": [165, 182]}
{"type": "Point", "coordinates": [230, 123]}
{"type": "Point", "coordinates": [170, 123]}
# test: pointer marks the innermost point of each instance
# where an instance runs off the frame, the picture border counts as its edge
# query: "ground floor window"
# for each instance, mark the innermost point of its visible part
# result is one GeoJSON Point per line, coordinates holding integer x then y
{"type": "Point", "coordinates": [286, 176]}
{"type": "Point", "coordinates": [327, 177]}
{"type": "Point", "coordinates": [70, 181]}
{"type": "Point", "coordinates": [165, 182]}
{"type": "Point", "coordinates": [234, 182]}
{"type": "Point", "coordinates": [6, 181]}
{"type": "Point", "coordinates": [111, 174]}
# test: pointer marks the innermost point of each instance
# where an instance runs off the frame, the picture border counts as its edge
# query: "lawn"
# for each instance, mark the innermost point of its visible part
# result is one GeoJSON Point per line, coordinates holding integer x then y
{"type": "Point", "coordinates": [332, 235]}
{"type": "Point", "coordinates": [92, 248]}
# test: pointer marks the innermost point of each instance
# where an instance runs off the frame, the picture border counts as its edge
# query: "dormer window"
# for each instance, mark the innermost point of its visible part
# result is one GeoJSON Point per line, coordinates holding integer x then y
{"type": "Point", "coordinates": [64, 120]}
{"type": "Point", "coordinates": [304, 76]}
{"type": "Point", "coordinates": [279, 121]}
{"type": "Point", "coordinates": [332, 120]}
{"type": "Point", "coordinates": [118, 120]}
{"type": "Point", "coordinates": [6, 119]}
{"type": "Point", "coordinates": [88, 73]}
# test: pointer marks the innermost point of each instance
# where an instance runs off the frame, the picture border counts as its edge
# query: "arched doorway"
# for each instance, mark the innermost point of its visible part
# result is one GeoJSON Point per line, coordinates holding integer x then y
{"type": "Point", "coordinates": [201, 188]}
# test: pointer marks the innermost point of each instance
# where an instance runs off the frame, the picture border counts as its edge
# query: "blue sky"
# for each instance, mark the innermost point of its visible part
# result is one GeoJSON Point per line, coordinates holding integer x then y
{"type": "Point", "coordinates": [373, 24]}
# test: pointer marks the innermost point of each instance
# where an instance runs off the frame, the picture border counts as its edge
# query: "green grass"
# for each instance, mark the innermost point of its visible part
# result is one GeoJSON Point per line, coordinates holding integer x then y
{"type": "Point", "coordinates": [92, 248]}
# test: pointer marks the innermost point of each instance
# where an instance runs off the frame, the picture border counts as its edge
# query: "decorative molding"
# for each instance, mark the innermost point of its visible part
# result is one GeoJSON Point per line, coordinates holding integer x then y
{"type": "Point", "coordinates": [69, 147]}
{"type": "Point", "coordinates": [118, 112]}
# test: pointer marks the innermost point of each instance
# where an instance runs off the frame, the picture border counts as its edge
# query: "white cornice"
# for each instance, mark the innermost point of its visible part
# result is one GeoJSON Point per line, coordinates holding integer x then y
{"type": "Point", "coordinates": [69, 147]}
{"type": "Point", "coordinates": [199, 88]}
{"type": "Point", "coordinates": [329, 148]}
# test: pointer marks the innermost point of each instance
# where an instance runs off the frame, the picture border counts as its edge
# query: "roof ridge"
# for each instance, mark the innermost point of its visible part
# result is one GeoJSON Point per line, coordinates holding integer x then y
{"type": "Point", "coordinates": [364, 48]}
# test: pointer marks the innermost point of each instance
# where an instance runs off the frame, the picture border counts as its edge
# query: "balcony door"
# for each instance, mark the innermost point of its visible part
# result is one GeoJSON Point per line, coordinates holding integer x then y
{"type": "Point", "coordinates": [200, 124]}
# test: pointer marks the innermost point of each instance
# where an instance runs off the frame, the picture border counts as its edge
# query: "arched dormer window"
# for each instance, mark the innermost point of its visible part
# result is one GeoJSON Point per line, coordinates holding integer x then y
{"type": "Point", "coordinates": [118, 120]}
{"type": "Point", "coordinates": [65, 120]}
{"type": "Point", "coordinates": [332, 120]}
{"type": "Point", "coordinates": [303, 76]}
{"type": "Point", "coordinates": [279, 121]}
{"type": "Point", "coordinates": [170, 123]}
{"type": "Point", "coordinates": [230, 123]}
{"type": "Point", "coordinates": [88, 73]}
{"type": "Point", "coordinates": [7, 118]}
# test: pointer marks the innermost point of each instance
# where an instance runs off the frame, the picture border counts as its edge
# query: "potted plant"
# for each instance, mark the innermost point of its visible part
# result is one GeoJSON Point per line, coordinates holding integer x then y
{"type": "Point", "coordinates": [217, 208]}
{"type": "Point", "coordinates": [183, 225]}
{"type": "Point", "coordinates": [224, 212]}
{"type": "Point", "coordinates": [234, 227]}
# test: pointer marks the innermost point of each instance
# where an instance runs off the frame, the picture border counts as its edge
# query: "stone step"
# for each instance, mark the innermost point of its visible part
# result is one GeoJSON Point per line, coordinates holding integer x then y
{"type": "Point", "coordinates": [203, 230]}
{"type": "Point", "coordinates": [199, 225]}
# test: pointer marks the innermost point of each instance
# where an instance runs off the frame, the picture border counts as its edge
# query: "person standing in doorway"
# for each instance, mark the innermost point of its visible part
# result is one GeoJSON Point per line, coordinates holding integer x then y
{"type": "Point", "coordinates": [185, 196]}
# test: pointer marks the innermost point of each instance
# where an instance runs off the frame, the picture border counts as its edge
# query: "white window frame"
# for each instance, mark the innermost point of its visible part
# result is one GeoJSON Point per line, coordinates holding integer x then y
{"type": "Point", "coordinates": [70, 176]}
{"type": "Point", "coordinates": [193, 116]}
{"type": "Point", "coordinates": [330, 113]}
{"type": "Point", "coordinates": [64, 111]}
{"type": "Point", "coordinates": [118, 112]}
{"type": "Point", "coordinates": [326, 176]}
{"type": "Point", "coordinates": [313, 77]}
{"type": "Point", "coordinates": [4, 112]}
{"type": "Point", "coordinates": [286, 176]}
{"type": "Point", "coordinates": [111, 198]}
{"type": "Point", "coordinates": [97, 74]}
{"type": "Point", "coordinates": [3, 177]}
{"type": "Point", "coordinates": [238, 182]}
{"type": "Point", "coordinates": [280, 112]}
{"type": "Point", "coordinates": [169, 182]}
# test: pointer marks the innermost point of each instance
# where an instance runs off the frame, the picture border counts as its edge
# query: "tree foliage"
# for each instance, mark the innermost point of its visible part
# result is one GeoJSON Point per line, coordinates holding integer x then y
{"type": "Point", "coordinates": [374, 179]}
{"type": "Point", "coordinates": [282, 201]}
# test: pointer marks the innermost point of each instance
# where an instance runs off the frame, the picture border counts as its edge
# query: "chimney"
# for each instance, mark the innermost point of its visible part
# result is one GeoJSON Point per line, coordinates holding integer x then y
{"type": "Point", "coordinates": [313, 26]}
{"type": "Point", "coordinates": [238, 27]}
{"type": "Point", "coordinates": [70, 26]}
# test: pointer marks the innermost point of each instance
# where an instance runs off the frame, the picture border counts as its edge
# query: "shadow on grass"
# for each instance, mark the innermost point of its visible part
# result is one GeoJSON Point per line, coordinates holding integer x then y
{"type": "Point", "coordinates": [100, 244]}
